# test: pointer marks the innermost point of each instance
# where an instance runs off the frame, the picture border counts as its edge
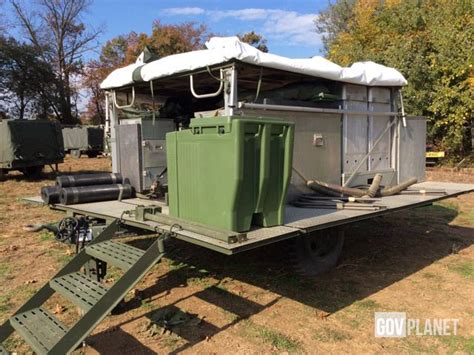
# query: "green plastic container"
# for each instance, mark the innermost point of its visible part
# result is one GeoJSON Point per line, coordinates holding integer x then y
{"type": "Point", "coordinates": [230, 172]}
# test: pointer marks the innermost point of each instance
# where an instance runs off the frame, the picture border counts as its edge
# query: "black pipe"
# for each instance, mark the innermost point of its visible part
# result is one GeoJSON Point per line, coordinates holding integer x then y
{"type": "Point", "coordinates": [88, 179]}
{"type": "Point", "coordinates": [84, 194]}
{"type": "Point", "coordinates": [50, 194]}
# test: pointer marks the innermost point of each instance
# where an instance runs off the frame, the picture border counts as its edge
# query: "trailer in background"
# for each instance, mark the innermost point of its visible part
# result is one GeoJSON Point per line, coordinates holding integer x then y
{"type": "Point", "coordinates": [29, 145]}
{"type": "Point", "coordinates": [80, 140]}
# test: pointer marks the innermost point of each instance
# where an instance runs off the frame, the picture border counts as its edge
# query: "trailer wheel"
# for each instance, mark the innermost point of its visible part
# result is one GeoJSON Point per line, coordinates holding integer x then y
{"type": "Point", "coordinates": [318, 252]}
{"type": "Point", "coordinates": [32, 172]}
{"type": "Point", "coordinates": [3, 173]}
{"type": "Point", "coordinates": [92, 154]}
{"type": "Point", "coordinates": [75, 153]}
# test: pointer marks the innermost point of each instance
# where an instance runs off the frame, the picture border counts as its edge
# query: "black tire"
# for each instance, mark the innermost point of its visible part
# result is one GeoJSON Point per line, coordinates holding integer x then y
{"type": "Point", "coordinates": [33, 172]}
{"type": "Point", "coordinates": [317, 252]}
{"type": "Point", "coordinates": [75, 153]}
{"type": "Point", "coordinates": [3, 174]}
{"type": "Point", "coordinates": [92, 154]}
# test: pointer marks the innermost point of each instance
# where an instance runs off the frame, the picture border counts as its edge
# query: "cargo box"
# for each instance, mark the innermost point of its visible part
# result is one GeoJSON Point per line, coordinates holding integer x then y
{"type": "Point", "coordinates": [230, 172]}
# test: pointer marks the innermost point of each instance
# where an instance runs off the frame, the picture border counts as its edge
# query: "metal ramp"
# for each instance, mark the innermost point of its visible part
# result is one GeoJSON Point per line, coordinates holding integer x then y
{"type": "Point", "coordinates": [46, 334]}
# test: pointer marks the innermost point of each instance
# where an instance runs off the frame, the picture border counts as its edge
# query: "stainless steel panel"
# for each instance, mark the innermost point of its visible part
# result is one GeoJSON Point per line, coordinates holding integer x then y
{"type": "Point", "coordinates": [355, 136]}
{"type": "Point", "coordinates": [389, 177]}
{"type": "Point", "coordinates": [353, 92]}
{"type": "Point", "coordinates": [154, 161]}
{"type": "Point", "coordinates": [412, 149]}
{"type": "Point", "coordinates": [380, 158]}
{"type": "Point", "coordinates": [130, 163]}
{"type": "Point", "coordinates": [381, 95]}
{"type": "Point", "coordinates": [317, 147]}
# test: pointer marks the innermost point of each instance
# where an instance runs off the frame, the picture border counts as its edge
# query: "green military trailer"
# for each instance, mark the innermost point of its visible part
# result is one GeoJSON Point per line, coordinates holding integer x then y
{"type": "Point", "coordinates": [29, 145]}
{"type": "Point", "coordinates": [80, 140]}
{"type": "Point", "coordinates": [241, 139]}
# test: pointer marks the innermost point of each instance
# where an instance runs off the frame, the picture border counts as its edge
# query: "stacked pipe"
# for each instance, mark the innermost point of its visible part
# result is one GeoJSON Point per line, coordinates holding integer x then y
{"type": "Point", "coordinates": [83, 188]}
{"type": "Point", "coordinates": [342, 197]}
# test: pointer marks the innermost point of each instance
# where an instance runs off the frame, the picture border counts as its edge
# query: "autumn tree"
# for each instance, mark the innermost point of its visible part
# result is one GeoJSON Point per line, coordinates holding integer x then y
{"type": "Point", "coordinates": [254, 39]}
{"type": "Point", "coordinates": [58, 34]}
{"type": "Point", "coordinates": [430, 42]}
{"type": "Point", "coordinates": [164, 40]}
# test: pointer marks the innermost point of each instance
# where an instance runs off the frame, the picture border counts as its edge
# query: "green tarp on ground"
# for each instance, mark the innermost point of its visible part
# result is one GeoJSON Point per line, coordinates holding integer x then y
{"type": "Point", "coordinates": [83, 138]}
{"type": "Point", "coordinates": [30, 142]}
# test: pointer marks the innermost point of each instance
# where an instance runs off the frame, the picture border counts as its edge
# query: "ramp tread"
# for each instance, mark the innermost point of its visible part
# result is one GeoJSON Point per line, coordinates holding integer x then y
{"type": "Point", "coordinates": [79, 289]}
{"type": "Point", "coordinates": [118, 254]}
{"type": "Point", "coordinates": [39, 328]}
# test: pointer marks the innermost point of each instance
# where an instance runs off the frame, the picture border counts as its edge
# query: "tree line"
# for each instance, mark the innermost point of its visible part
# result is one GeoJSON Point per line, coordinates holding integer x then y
{"type": "Point", "coordinates": [429, 41]}
{"type": "Point", "coordinates": [44, 70]}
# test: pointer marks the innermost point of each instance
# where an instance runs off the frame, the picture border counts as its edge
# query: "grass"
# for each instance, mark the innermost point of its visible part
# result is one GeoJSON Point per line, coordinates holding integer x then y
{"type": "Point", "coordinates": [276, 339]}
{"type": "Point", "coordinates": [367, 304]}
{"type": "Point", "coordinates": [46, 236]}
{"type": "Point", "coordinates": [457, 343]}
{"type": "Point", "coordinates": [4, 303]}
{"type": "Point", "coordinates": [4, 269]}
{"type": "Point", "coordinates": [464, 269]}
{"type": "Point", "coordinates": [329, 335]}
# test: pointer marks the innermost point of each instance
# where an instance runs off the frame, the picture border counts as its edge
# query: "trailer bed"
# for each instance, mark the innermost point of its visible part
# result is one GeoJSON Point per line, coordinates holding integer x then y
{"type": "Point", "coordinates": [298, 221]}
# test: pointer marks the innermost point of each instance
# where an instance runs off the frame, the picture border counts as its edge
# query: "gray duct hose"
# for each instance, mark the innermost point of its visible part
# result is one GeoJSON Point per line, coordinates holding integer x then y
{"type": "Point", "coordinates": [374, 187]}
{"type": "Point", "coordinates": [389, 191]}
{"type": "Point", "coordinates": [334, 188]}
{"type": "Point", "coordinates": [338, 190]}
{"type": "Point", "coordinates": [313, 185]}
{"type": "Point", "coordinates": [37, 227]}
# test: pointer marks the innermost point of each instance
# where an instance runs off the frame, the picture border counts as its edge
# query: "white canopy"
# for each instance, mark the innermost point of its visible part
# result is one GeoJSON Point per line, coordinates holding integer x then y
{"type": "Point", "coordinates": [223, 49]}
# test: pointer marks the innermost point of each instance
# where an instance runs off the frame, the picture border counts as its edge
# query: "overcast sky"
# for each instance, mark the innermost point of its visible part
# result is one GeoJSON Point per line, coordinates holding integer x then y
{"type": "Point", "coordinates": [287, 25]}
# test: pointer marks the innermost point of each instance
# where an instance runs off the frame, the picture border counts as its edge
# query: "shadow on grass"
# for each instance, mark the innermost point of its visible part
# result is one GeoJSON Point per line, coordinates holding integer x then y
{"type": "Point", "coordinates": [377, 253]}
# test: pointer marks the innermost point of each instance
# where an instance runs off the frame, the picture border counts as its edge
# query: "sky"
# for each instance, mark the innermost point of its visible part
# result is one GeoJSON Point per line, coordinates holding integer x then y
{"type": "Point", "coordinates": [287, 25]}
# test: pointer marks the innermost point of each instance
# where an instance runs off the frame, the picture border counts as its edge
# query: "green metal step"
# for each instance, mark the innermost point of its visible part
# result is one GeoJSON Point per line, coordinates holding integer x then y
{"type": "Point", "coordinates": [114, 253]}
{"type": "Point", "coordinates": [40, 329]}
{"type": "Point", "coordinates": [79, 289]}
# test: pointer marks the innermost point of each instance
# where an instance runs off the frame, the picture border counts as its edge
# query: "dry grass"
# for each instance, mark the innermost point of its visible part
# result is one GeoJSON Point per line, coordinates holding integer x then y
{"type": "Point", "coordinates": [419, 262]}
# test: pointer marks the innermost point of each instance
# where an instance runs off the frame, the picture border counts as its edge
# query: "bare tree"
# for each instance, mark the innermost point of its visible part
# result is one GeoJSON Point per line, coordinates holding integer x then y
{"type": "Point", "coordinates": [57, 31]}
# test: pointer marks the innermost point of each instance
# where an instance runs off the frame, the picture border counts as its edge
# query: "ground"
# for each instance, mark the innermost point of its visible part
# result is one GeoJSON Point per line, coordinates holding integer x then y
{"type": "Point", "coordinates": [420, 262]}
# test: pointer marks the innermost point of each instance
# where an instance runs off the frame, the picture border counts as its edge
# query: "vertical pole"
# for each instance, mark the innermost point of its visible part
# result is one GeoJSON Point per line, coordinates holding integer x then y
{"type": "Point", "coordinates": [230, 91]}
{"type": "Point", "coordinates": [114, 141]}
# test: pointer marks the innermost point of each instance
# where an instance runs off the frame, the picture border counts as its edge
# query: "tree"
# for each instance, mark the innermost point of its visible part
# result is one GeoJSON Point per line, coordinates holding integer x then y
{"type": "Point", "coordinates": [25, 83]}
{"type": "Point", "coordinates": [430, 42]}
{"type": "Point", "coordinates": [164, 40]}
{"type": "Point", "coordinates": [60, 37]}
{"type": "Point", "coordinates": [255, 40]}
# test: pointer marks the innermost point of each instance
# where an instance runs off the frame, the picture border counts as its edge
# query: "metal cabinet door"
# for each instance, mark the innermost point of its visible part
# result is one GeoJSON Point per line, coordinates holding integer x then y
{"type": "Point", "coordinates": [355, 137]}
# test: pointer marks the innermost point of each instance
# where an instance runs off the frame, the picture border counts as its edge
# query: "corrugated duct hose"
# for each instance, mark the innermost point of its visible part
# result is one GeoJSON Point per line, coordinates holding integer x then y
{"type": "Point", "coordinates": [373, 191]}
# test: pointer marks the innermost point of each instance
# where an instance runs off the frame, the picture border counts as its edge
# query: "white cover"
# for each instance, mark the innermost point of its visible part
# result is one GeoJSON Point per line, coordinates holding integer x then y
{"type": "Point", "coordinates": [222, 49]}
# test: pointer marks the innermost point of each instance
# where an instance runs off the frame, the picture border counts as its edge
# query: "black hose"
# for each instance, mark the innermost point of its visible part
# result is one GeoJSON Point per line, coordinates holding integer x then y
{"type": "Point", "coordinates": [88, 179]}
{"type": "Point", "coordinates": [83, 194]}
{"type": "Point", "coordinates": [50, 194]}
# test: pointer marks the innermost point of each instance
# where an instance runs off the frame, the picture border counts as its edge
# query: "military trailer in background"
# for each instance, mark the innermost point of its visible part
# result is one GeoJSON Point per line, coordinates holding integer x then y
{"type": "Point", "coordinates": [240, 138]}
{"type": "Point", "coordinates": [80, 140]}
{"type": "Point", "coordinates": [29, 145]}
